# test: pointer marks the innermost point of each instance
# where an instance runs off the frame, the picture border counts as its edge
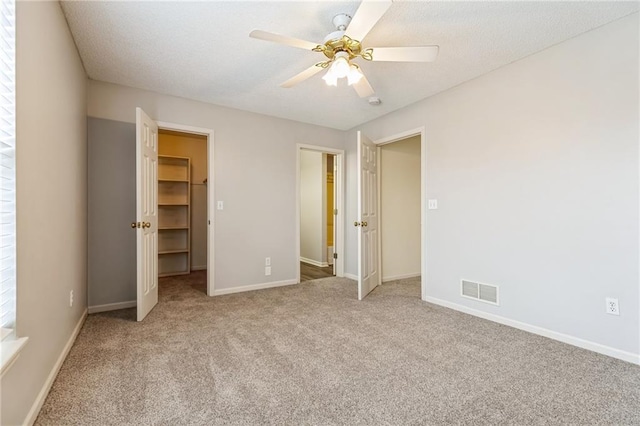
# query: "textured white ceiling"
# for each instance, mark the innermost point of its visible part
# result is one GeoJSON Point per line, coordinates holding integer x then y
{"type": "Point", "coordinates": [202, 50]}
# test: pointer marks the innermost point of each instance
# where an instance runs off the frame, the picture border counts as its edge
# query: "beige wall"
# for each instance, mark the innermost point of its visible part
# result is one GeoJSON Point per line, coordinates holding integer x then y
{"type": "Point", "coordinates": [535, 168]}
{"type": "Point", "coordinates": [400, 208]}
{"type": "Point", "coordinates": [194, 147]}
{"type": "Point", "coordinates": [51, 201]}
{"type": "Point", "coordinates": [254, 175]}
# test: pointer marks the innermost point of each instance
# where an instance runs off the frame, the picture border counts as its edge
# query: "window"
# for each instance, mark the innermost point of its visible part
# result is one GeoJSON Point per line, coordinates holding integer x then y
{"type": "Point", "coordinates": [11, 345]}
{"type": "Point", "coordinates": [7, 166]}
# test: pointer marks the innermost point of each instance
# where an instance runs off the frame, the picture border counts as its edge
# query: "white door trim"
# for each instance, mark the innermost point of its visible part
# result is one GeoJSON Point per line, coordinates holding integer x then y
{"type": "Point", "coordinates": [163, 125]}
{"type": "Point", "coordinates": [423, 195]}
{"type": "Point", "coordinates": [340, 205]}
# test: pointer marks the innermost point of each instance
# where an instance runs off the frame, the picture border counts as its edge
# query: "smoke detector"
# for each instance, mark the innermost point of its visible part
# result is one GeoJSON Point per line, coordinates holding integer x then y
{"type": "Point", "coordinates": [374, 100]}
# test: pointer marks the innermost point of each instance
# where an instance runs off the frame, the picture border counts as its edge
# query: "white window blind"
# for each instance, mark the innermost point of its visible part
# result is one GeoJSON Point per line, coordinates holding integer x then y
{"type": "Point", "coordinates": [7, 165]}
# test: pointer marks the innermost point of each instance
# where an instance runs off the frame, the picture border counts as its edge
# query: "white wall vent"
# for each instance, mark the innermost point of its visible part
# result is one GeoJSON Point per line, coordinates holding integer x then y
{"type": "Point", "coordinates": [478, 291]}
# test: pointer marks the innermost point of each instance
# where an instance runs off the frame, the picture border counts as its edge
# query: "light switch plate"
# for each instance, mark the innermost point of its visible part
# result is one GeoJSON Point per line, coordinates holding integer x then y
{"type": "Point", "coordinates": [433, 204]}
{"type": "Point", "coordinates": [220, 205]}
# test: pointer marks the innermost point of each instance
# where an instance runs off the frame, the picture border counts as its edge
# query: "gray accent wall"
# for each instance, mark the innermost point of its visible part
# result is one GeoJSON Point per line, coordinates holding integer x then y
{"type": "Point", "coordinates": [111, 207]}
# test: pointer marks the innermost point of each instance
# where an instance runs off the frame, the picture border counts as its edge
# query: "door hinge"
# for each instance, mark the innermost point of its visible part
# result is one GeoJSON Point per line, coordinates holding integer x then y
{"type": "Point", "coordinates": [335, 255]}
{"type": "Point", "coordinates": [335, 212]}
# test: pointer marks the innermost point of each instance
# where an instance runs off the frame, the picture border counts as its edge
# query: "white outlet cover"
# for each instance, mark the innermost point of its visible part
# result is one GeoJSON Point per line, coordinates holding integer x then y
{"type": "Point", "coordinates": [267, 261]}
{"type": "Point", "coordinates": [613, 307]}
{"type": "Point", "coordinates": [267, 270]}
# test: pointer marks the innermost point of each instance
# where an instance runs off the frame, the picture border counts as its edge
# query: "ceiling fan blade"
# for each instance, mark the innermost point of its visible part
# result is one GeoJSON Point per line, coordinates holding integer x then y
{"type": "Point", "coordinates": [277, 38]}
{"type": "Point", "coordinates": [363, 88]}
{"type": "Point", "coordinates": [405, 54]}
{"type": "Point", "coordinates": [367, 15]}
{"type": "Point", "coordinates": [298, 78]}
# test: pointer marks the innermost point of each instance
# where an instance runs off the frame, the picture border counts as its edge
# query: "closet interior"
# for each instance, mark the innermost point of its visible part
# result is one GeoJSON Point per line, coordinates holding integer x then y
{"type": "Point", "coordinates": [182, 203]}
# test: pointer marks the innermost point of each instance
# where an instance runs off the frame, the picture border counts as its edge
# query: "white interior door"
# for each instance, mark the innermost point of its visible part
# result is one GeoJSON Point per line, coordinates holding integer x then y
{"type": "Point", "coordinates": [367, 223]}
{"type": "Point", "coordinates": [146, 212]}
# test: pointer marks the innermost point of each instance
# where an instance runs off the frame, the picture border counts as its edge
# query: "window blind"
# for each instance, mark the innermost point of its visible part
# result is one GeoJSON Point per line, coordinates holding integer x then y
{"type": "Point", "coordinates": [7, 165]}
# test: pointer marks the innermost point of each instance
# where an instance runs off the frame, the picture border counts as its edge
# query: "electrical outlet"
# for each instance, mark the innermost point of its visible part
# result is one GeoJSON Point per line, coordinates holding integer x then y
{"type": "Point", "coordinates": [613, 307]}
{"type": "Point", "coordinates": [267, 261]}
{"type": "Point", "coordinates": [267, 270]}
{"type": "Point", "coordinates": [71, 299]}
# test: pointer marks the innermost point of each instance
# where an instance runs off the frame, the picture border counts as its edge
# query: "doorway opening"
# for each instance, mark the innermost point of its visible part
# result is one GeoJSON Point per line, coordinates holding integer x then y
{"type": "Point", "coordinates": [166, 186]}
{"type": "Point", "coordinates": [414, 159]}
{"type": "Point", "coordinates": [399, 185]}
{"type": "Point", "coordinates": [320, 228]}
{"type": "Point", "coordinates": [183, 212]}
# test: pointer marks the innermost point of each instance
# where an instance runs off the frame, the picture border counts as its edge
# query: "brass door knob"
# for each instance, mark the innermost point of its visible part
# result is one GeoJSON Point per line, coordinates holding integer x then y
{"type": "Point", "coordinates": [364, 223]}
{"type": "Point", "coordinates": [356, 223]}
{"type": "Point", "coordinates": [135, 225]}
{"type": "Point", "coordinates": [146, 225]}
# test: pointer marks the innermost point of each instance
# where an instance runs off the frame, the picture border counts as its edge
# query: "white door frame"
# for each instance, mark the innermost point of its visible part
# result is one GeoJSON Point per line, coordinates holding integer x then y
{"type": "Point", "coordinates": [338, 223]}
{"type": "Point", "coordinates": [163, 125]}
{"type": "Point", "coordinates": [423, 195]}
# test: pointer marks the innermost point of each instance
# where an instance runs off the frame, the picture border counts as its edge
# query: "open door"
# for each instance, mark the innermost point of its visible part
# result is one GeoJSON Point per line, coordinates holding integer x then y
{"type": "Point", "coordinates": [368, 274]}
{"type": "Point", "coordinates": [146, 213]}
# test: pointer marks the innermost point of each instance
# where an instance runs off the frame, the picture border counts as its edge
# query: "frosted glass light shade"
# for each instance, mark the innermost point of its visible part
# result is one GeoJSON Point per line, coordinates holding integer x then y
{"type": "Point", "coordinates": [340, 67]}
{"type": "Point", "coordinates": [354, 75]}
{"type": "Point", "coordinates": [330, 78]}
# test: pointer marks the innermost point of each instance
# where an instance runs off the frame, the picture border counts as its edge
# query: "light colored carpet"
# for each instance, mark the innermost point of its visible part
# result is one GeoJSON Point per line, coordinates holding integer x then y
{"type": "Point", "coordinates": [312, 354]}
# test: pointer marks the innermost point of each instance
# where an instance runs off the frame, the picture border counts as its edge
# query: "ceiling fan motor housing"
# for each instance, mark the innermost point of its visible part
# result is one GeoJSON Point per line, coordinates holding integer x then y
{"type": "Point", "coordinates": [337, 41]}
{"type": "Point", "coordinates": [341, 21]}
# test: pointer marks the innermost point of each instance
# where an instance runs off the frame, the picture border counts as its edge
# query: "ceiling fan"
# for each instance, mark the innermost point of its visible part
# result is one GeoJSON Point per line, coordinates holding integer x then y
{"type": "Point", "coordinates": [343, 46]}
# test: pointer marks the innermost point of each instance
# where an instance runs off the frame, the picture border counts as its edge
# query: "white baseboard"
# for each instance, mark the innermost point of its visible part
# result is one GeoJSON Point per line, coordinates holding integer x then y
{"type": "Point", "coordinates": [199, 268]}
{"type": "Point", "coordinates": [253, 287]}
{"type": "Point", "coordinates": [351, 276]}
{"type": "Point", "coordinates": [314, 262]}
{"type": "Point", "coordinates": [37, 404]}
{"type": "Point", "coordinates": [112, 306]}
{"type": "Point", "coordinates": [565, 338]}
{"type": "Point", "coordinates": [399, 277]}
